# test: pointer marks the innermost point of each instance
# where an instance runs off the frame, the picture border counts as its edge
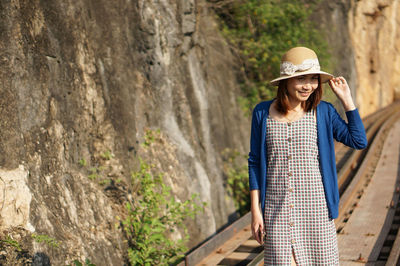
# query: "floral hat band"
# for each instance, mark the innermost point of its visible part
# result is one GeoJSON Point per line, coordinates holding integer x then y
{"type": "Point", "coordinates": [300, 61]}
{"type": "Point", "coordinates": [288, 68]}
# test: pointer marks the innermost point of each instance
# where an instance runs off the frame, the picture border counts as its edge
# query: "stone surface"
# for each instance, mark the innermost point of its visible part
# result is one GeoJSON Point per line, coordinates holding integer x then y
{"type": "Point", "coordinates": [80, 79]}
{"type": "Point", "coordinates": [375, 32]}
{"type": "Point", "coordinates": [15, 198]}
{"type": "Point", "coordinates": [363, 38]}
{"type": "Point", "coordinates": [332, 18]}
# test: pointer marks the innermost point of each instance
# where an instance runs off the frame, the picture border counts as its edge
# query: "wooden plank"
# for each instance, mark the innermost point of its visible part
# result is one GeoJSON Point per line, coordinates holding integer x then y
{"type": "Point", "coordinates": [369, 224]}
{"type": "Point", "coordinates": [219, 239]}
{"type": "Point", "coordinates": [251, 243]}
{"type": "Point", "coordinates": [257, 261]}
{"type": "Point", "coordinates": [395, 252]}
{"type": "Point", "coordinates": [355, 157]}
{"type": "Point", "coordinates": [347, 197]}
{"type": "Point", "coordinates": [227, 248]}
{"type": "Point", "coordinates": [238, 257]}
{"type": "Point", "coordinates": [250, 246]}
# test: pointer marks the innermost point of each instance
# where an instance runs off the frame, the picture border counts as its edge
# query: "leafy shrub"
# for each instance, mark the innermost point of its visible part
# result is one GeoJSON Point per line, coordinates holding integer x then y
{"type": "Point", "coordinates": [152, 217]}
{"type": "Point", "coordinates": [12, 243]}
{"type": "Point", "coordinates": [150, 137]}
{"type": "Point", "coordinates": [50, 241]}
{"type": "Point", "coordinates": [235, 168]}
{"type": "Point", "coordinates": [262, 30]}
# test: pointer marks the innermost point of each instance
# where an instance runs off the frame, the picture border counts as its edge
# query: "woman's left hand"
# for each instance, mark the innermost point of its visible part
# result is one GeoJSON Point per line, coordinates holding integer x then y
{"type": "Point", "coordinates": [342, 90]}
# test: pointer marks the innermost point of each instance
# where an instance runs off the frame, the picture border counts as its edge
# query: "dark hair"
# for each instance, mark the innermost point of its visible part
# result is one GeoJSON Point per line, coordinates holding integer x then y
{"type": "Point", "coordinates": [282, 98]}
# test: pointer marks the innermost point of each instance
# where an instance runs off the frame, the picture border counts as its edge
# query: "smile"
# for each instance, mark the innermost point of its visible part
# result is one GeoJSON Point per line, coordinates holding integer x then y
{"type": "Point", "coordinates": [304, 93]}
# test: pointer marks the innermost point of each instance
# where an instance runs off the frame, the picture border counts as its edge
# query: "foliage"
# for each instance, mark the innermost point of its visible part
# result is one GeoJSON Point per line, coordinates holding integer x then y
{"type": "Point", "coordinates": [51, 242]}
{"type": "Point", "coordinates": [237, 179]}
{"type": "Point", "coordinates": [107, 155]}
{"type": "Point", "coordinates": [15, 246]}
{"type": "Point", "coordinates": [262, 30]}
{"type": "Point", "coordinates": [152, 217]}
{"type": "Point", "coordinates": [82, 162]}
{"type": "Point", "coordinates": [11, 242]}
{"type": "Point", "coordinates": [105, 182]}
{"type": "Point", "coordinates": [150, 137]}
{"type": "Point", "coordinates": [93, 173]}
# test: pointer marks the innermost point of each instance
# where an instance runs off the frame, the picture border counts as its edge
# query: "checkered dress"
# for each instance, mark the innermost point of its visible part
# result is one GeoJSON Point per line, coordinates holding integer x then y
{"type": "Point", "coordinates": [296, 213]}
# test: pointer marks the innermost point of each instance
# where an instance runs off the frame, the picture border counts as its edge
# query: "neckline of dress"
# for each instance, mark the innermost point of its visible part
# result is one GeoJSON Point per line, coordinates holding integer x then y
{"type": "Point", "coordinates": [286, 122]}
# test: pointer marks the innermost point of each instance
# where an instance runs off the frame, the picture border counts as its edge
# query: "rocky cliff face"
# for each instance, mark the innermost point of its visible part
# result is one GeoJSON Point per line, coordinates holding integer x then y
{"type": "Point", "coordinates": [332, 18]}
{"type": "Point", "coordinates": [375, 28]}
{"type": "Point", "coordinates": [364, 42]}
{"type": "Point", "coordinates": [81, 82]}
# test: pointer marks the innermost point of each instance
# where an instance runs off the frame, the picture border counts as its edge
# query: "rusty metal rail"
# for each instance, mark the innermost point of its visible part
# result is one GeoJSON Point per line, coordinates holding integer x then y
{"type": "Point", "coordinates": [235, 245]}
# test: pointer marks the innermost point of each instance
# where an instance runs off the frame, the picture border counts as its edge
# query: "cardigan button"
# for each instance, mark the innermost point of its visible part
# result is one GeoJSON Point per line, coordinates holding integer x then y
{"type": "Point", "coordinates": [293, 241]}
{"type": "Point", "coordinates": [289, 157]}
{"type": "Point", "coordinates": [291, 189]}
{"type": "Point", "coordinates": [289, 139]}
{"type": "Point", "coordinates": [289, 124]}
{"type": "Point", "coordinates": [290, 174]}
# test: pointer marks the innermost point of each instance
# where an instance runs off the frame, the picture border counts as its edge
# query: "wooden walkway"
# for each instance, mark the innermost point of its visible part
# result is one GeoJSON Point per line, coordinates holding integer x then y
{"type": "Point", "coordinates": [360, 240]}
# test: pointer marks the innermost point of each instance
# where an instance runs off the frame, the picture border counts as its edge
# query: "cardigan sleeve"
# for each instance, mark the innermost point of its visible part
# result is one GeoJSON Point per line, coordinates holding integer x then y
{"type": "Point", "coordinates": [254, 155]}
{"type": "Point", "coordinates": [352, 133]}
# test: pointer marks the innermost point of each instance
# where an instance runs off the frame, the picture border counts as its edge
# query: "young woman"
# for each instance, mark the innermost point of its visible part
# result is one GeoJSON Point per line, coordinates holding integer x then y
{"type": "Point", "coordinates": [292, 171]}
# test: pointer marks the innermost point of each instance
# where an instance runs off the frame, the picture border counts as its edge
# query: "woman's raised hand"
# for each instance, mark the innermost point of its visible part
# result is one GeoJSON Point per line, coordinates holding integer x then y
{"type": "Point", "coordinates": [342, 90]}
{"type": "Point", "coordinates": [257, 226]}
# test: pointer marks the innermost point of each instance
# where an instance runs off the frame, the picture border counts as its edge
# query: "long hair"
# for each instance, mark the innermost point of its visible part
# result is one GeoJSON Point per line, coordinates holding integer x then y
{"type": "Point", "coordinates": [282, 98]}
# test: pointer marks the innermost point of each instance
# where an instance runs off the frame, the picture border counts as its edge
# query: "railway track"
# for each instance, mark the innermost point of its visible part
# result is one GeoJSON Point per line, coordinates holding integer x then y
{"type": "Point", "coordinates": [235, 245]}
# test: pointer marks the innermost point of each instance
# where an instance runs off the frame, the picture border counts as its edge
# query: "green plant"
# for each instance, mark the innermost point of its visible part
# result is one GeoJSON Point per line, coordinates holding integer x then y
{"type": "Point", "coordinates": [93, 173]}
{"type": "Point", "coordinates": [107, 155]}
{"type": "Point", "coordinates": [237, 181]}
{"type": "Point", "coordinates": [51, 242]}
{"type": "Point", "coordinates": [86, 263]}
{"type": "Point", "coordinates": [11, 242]}
{"type": "Point", "coordinates": [150, 137]}
{"type": "Point", "coordinates": [105, 182]}
{"type": "Point", "coordinates": [152, 217]}
{"type": "Point", "coordinates": [82, 162]}
{"type": "Point", "coordinates": [262, 30]}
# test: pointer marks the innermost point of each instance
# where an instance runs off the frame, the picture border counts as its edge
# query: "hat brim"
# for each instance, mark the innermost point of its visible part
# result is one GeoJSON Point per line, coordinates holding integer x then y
{"type": "Point", "coordinates": [324, 76]}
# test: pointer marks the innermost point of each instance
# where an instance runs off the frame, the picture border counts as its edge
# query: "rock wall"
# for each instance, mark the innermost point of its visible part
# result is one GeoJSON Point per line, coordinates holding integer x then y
{"type": "Point", "coordinates": [332, 18]}
{"type": "Point", "coordinates": [365, 44]}
{"type": "Point", "coordinates": [81, 81]}
{"type": "Point", "coordinates": [375, 28]}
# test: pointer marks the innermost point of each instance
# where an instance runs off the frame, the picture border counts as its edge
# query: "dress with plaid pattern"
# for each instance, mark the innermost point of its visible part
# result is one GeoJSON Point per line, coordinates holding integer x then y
{"type": "Point", "coordinates": [296, 213]}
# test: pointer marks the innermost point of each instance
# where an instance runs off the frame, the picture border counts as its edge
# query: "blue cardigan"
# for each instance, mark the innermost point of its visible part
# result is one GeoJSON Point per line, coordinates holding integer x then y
{"type": "Point", "coordinates": [329, 126]}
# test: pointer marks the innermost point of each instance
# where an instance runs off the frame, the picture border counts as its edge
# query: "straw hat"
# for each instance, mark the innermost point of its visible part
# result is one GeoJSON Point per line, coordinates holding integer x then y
{"type": "Point", "coordinates": [300, 61]}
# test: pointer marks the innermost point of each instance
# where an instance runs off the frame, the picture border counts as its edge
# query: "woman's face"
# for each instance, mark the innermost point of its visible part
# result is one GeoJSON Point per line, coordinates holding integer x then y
{"type": "Point", "coordinates": [301, 87]}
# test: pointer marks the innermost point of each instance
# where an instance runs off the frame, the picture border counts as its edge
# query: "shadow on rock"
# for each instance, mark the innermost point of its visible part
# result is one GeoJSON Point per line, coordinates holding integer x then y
{"type": "Point", "coordinates": [40, 259]}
